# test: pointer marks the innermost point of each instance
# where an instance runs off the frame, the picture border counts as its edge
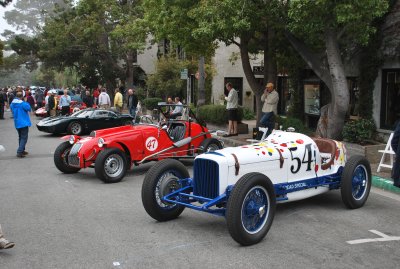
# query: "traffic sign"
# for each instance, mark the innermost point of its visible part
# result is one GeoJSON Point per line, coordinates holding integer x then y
{"type": "Point", "coordinates": [184, 73]}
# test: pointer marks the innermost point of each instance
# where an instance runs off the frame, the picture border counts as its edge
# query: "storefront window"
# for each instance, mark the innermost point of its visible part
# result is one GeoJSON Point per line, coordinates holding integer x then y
{"type": "Point", "coordinates": [311, 99]}
{"type": "Point", "coordinates": [390, 109]}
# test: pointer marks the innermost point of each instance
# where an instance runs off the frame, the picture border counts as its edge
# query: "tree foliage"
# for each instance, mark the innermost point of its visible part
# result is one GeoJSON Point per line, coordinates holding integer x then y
{"type": "Point", "coordinates": [92, 37]}
{"type": "Point", "coordinates": [29, 16]}
{"type": "Point", "coordinates": [5, 2]}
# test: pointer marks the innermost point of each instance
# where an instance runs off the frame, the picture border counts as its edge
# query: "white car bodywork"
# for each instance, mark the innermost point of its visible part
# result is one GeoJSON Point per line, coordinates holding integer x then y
{"type": "Point", "coordinates": [302, 160]}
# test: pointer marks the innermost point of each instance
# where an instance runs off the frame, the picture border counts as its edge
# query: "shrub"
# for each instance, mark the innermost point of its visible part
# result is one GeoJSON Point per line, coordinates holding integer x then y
{"type": "Point", "coordinates": [151, 103]}
{"type": "Point", "coordinates": [248, 114]}
{"type": "Point", "coordinates": [216, 114]}
{"type": "Point", "coordinates": [359, 131]}
{"type": "Point", "coordinates": [297, 124]}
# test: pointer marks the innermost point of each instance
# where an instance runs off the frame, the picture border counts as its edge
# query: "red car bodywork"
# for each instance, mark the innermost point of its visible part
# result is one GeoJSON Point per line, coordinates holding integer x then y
{"type": "Point", "coordinates": [137, 142]}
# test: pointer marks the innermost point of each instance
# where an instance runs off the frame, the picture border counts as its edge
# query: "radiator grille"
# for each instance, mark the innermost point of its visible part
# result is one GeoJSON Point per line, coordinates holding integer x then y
{"type": "Point", "coordinates": [73, 159]}
{"type": "Point", "coordinates": [206, 178]}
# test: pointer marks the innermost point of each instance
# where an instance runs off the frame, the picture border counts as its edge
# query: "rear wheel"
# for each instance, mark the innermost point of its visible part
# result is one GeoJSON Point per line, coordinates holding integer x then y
{"type": "Point", "coordinates": [251, 209]}
{"type": "Point", "coordinates": [74, 128]}
{"type": "Point", "coordinates": [210, 144]}
{"type": "Point", "coordinates": [61, 158]}
{"type": "Point", "coordinates": [111, 165]}
{"type": "Point", "coordinates": [162, 179]}
{"type": "Point", "coordinates": [356, 182]}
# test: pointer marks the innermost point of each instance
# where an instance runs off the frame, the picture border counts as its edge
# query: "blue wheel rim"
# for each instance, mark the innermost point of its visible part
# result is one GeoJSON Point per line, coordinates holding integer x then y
{"type": "Point", "coordinates": [359, 182]}
{"type": "Point", "coordinates": [255, 209]}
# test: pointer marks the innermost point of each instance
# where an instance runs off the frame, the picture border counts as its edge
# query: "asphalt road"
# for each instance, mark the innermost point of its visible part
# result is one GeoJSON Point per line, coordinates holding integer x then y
{"type": "Point", "coordinates": [76, 221]}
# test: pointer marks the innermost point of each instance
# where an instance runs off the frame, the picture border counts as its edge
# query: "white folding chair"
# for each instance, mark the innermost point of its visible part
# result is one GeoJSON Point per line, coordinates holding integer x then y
{"type": "Point", "coordinates": [264, 130]}
{"type": "Point", "coordinates": [388, 150]}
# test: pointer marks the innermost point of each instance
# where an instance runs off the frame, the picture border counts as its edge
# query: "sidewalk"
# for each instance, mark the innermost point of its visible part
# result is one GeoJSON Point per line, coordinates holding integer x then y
{"type": "Point", "coordinates": [381, 180]}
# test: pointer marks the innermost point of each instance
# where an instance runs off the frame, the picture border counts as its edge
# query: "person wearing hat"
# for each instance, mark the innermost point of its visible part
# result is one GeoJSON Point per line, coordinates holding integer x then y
{"type": "Point", "coordinates": [52, 104]}
{"type": "Point", "coordinates": [270, 99]}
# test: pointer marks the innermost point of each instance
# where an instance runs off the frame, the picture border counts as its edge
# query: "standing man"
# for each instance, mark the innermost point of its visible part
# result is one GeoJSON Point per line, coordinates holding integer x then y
{"type": "Point", "coordinates": [270, 108]}
{"type": "Point", "coordinates": [232, 107]}
{"type": "Point", "coordinates": [65, 103]}
{"type": "Point", "coordinates": [118, 102]}
{"type": "Point", "coordinates": [20, 109]}
{"type": "Point", "coordinates": [39, 98]}
{"type": "Point", "coordinates": [3, 102]}
{"type": "Point", "coordinates": [96, 94]}
{"type": "Point", "coordinates": [177, 110]}
{"type": "Point", "coordinates": [52, 104]}
{"type": "Point", "coordinates": [104, 99]}
{"type": "Point", "coordinates": [88, 99]}
{"type": "Point", "coordinates": [396, 148]}
{"type": "Point", "coordinates": [132, 102]}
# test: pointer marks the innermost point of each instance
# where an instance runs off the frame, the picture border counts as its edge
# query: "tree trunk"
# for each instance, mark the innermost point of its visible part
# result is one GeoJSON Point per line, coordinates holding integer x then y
{"type": "Point", "coordinates": [201, 100]}
{"type": "Point", "coordinates": [339, 91]}
{"type": "Point", "coordinates": [129, 70]}
{"type": "Point", "coordinates": [248, 72]}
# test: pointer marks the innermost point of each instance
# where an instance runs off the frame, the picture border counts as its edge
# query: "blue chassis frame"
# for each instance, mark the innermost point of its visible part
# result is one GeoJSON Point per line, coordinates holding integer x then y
{"type": "Point", "coordinates": [183, 196]}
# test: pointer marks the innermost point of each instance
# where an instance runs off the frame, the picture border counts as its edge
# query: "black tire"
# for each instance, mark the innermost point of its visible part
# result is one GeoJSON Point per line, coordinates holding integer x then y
{"type": "Point", "coordinates": [210, 144]}
{"type": "Point", "coordinates": [160, 180]}
{"type": "Point", "coordinates": [111, 165]}
{"type": "Point", "coordinates": [356, 182]}
{"type": "Point", "coordinates": [61, 158]}
{"type": "Point", "coordinates": [250, 186]}
{"type": "Point", "coordinates": [75, 128]}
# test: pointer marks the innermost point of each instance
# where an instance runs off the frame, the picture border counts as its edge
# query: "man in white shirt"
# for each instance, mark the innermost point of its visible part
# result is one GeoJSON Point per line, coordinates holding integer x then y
{"type": "Point", "coordinates": [232, 107]}
{"type": "Point", "coordinates": [270, 108]}
{"type": "Point", "coordinates": [177, 110]}
{"type": "Point", "coordinates": [104, 99]}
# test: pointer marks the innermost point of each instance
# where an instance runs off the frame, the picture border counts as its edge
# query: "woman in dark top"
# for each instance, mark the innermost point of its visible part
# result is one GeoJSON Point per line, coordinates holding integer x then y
{"type": "Point", "coordinates": [31, 101]}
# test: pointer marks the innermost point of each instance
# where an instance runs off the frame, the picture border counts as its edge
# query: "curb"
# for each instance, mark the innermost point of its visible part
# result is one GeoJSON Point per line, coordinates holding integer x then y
{"type": "Point", "coordinates": [384, 184]}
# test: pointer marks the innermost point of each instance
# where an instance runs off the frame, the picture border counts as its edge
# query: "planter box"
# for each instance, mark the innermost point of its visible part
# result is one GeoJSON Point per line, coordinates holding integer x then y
{"type": "Point", "coordinates": [369, 151]}
{"type": "Point", "coordinates": [243, 128]}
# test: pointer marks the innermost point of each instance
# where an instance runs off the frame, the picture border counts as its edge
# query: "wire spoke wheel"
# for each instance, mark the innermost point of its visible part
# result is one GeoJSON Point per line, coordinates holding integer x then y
{"type": "Point", "coordinates": [255, 209]}
{"type": "Point", "coordinates": [359, 182]}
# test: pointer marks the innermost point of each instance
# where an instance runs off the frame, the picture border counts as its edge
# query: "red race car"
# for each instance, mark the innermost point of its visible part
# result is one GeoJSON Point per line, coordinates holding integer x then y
{"type": "Point", "coordinates": [112, 151]}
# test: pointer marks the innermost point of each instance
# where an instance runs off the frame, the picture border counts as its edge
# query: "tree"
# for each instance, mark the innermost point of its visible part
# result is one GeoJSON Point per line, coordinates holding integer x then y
{"type": "Point", "coordinates": [197, 25]}
{"type": "Point", "coordinates": [88, 38]}
{"type": "Point", "coordinates": [5, 2]}
{"type": "Point", "coordinates": [29, 16]}
{"type": "Point", "coordinates": [324, 33]}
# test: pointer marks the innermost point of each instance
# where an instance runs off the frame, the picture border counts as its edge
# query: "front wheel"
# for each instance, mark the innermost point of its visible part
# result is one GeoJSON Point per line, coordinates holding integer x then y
{"type": "Point", "coordinates": [162, 179]}
{"type": "Point", "coordinates": [111, 165]}
{"type": "Point", "coordinates": [356, 182]}
{"type": "Point", "coordinates": [251, 209]}
{"type": "Point", "coordinates": [61, 158]}
{"type": "Point", "coordinates": [75, 128]}
{"type": "Point", "coordinates": [210, 144]}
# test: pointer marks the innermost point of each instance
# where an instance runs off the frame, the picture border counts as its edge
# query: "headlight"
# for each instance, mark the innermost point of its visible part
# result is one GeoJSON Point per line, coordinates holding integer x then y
{"type": "Point", "coordinates": [100, 142]}
{"type": "Point", "coordinates": [72, 139]}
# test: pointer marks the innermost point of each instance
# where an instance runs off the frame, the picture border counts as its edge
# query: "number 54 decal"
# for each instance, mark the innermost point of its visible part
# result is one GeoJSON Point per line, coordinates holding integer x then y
{"type": "Point", "coordinates": [307, 159]}
{"type": "Point", "coordinates": [151, 143]}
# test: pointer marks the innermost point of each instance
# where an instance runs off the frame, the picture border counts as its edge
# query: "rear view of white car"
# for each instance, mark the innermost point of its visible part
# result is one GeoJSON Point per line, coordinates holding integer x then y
{"type": "Point", "coordinates": [245, 183]}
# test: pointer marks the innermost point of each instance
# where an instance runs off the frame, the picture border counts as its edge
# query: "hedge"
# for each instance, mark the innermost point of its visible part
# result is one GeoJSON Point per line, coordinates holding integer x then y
{"type": "Point", "coordinates": [216, 114]}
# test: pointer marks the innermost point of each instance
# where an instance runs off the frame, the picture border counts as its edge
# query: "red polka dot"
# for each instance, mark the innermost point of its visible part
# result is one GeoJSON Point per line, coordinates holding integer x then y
{"type": "Point", "coordinates": [299, 141]}
{"type": "Point", "coordinates": [316, 168]}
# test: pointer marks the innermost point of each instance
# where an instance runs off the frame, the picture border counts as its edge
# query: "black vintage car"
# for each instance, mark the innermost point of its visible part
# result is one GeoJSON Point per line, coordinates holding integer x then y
{"type": "Point", "coordinates": [84, 121]}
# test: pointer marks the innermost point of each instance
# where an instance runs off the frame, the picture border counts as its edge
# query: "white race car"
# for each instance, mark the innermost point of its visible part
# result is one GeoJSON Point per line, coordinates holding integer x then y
{"type": "Point", "coordinates": [245, 183]}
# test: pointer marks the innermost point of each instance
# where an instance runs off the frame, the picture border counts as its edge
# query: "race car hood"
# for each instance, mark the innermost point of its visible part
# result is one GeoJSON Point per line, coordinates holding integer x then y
{"type": "Point", "coordinates": [275, 147]}
{"type": "Point", "coordinates": [52, 120]}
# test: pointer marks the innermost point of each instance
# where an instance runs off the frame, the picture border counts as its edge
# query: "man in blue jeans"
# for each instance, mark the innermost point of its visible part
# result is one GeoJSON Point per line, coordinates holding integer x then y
{"type": "Point", "coordinates": [270, 99]}
{"type": "Point", "coordinates": [20, 110]}
{"type": "Point", "coordinates": [396, 148]}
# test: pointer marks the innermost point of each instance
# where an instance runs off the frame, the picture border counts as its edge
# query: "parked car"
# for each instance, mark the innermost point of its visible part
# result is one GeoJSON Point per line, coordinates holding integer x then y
{"type": "Point", "coordinates": [245, 183]}
{"type": "Point", "coordinates": [83, 122]}
{"type": "Point", "coordinates": [112, 151]}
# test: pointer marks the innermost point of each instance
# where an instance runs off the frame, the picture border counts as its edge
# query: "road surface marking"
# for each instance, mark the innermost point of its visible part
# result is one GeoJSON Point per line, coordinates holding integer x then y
{"type": "Point", "coordinates": [383, 237]}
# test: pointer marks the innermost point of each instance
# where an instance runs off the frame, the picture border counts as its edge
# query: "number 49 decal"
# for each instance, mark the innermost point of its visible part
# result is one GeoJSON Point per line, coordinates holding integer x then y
{"type": "Point", "coordinates": [307, 159]}
{"type": "Point", "coordinates": [151, 143]}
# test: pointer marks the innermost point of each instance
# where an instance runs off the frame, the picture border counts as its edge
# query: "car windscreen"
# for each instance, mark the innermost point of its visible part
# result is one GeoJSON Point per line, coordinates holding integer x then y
{"type": "Point", "coordinates": [83, 114]}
